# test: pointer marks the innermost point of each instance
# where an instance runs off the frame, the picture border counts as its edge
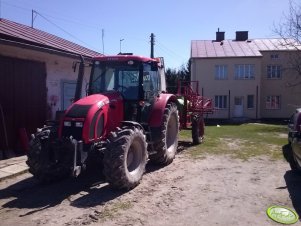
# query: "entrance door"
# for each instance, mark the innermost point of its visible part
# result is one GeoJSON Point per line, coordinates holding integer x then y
{"type": "Point", "coordinates": [238, 107]}
{"type": "Point", "coordinates": [68, 92]}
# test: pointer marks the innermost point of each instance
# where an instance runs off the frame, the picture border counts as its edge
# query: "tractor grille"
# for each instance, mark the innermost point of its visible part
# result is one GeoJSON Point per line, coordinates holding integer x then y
{"type": "Point", "coordinates": [75, 132]}
{"type": "Point", "coordinates": [78, 111]}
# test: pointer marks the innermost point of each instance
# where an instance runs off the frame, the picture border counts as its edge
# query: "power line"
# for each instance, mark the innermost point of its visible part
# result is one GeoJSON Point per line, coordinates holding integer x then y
{"type": "Point", "coordinates": [170, 52]}
{"type": "Point", "coordinates": [60, 28]}
{"type": "Point", "coordinates": [19, 7]}
{"type": "Point", "coordinates": [54, 17]}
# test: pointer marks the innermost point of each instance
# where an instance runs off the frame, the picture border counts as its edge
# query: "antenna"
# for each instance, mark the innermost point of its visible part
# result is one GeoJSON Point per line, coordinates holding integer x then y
{"type": "Point", "coordinates": [33, 16]}
{"type": "Point", "coordinates": [120, 43]}
{"type": "Point", "coordinates": [102, 38]}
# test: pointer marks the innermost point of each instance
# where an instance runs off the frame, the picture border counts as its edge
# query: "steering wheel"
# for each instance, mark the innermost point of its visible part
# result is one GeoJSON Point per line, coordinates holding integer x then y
{"type": "Point", "coordinates": [121, 88]}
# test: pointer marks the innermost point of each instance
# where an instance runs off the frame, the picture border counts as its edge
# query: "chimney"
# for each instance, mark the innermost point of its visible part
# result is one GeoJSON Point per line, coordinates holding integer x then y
{"type": "Point", "coordinates": [242, 36]}
{"type": "Point", "coordinates": [220, 36]}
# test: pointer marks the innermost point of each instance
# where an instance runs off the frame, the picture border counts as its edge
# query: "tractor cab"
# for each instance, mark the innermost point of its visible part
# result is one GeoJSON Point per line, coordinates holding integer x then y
{"type": "Point", "coordinates": [136, 79]}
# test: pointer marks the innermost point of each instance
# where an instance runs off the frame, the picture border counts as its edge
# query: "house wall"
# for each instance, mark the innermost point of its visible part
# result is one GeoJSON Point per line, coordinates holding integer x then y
{"type": "Point", "coordinates": [203, 70]}
{"type": "Point", "coordinates": [285, 86]}
{"type": "Point", "coordinates": [59, 69]}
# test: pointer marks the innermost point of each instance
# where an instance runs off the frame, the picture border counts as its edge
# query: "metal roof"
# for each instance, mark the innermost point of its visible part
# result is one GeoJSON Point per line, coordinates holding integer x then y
{"type": "Point", "coordinates": [13, 31]}
{"type": "Point", "coordinates": [232, 48]}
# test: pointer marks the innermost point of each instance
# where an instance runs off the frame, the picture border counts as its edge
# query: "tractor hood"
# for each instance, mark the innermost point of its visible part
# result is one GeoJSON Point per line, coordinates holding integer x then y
{"type": "Point", "coordinates": [98, 114]}
{"type": "Point", "coordinates": [81, 108]}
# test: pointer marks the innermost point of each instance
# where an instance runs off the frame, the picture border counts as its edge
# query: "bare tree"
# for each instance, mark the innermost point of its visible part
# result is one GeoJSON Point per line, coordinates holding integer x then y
{"type": "Point", "coordinates": [289, 29]}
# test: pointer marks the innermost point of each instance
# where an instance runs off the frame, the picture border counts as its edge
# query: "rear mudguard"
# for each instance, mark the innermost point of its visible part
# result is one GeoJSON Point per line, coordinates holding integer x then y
{"type": "Point", "coordinates": [156, 116]}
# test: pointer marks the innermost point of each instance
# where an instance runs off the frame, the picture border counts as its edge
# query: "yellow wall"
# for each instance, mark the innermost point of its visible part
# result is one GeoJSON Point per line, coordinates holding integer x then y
{"type": "Point", "coordinates": [285, 87]}
{"type": "Point", "coordinates": [203, 70]}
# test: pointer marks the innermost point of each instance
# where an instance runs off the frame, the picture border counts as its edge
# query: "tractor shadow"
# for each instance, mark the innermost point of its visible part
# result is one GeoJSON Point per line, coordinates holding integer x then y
{"type": "Point", "coordinates": [87, 190]}
{"type": "Point", "coordinates": [184, 145]}
{"type": "Point", "coordinates": [293, 181]}
{"type": "Point", "coordinates": [84, 191]}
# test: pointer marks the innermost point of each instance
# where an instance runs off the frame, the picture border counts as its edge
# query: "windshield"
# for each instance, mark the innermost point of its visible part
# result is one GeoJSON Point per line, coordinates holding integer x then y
{"type": "Point", "coordinates": [120, 77]}
{"type": "Point", "coordinates": [124, 78]}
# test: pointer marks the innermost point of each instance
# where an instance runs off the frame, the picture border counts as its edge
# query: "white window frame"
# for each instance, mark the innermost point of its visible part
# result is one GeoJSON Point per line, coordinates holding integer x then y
{"type": "Point", "coordinates": [245, 71]}
{"type": "Point", "coordinates": [221, 101]}
{"type": "Point", "coordinates": [273, 102]}
{"type": "Point", "coordinates": [221, 72]}
{"type": "Point", "coordinates": [274, 71]}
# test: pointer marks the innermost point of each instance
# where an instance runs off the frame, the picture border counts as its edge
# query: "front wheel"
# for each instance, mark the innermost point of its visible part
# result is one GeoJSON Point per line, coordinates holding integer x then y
{"type": "Point", "coordinates": [125, 158]}
{"type": "Point", "coordinates": [42, 162]}
{"type": "Point", "coordinates": [198, 128]}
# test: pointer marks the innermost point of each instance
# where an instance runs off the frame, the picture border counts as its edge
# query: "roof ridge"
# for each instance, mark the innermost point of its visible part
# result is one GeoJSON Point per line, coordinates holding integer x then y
{"type": "Point", "coordinates": [232, 48]}
{"type": "Point", "coordinates": [40, 37]}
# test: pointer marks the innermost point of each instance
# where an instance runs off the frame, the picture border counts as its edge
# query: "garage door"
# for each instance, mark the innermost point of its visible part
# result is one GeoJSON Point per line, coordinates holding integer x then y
{"type": "Point", "coordinates": [22, 98]}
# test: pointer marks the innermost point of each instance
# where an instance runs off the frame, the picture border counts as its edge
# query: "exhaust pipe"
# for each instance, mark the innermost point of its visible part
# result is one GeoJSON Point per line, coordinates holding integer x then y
{"type": "Point", "coordinates": [80, 77]}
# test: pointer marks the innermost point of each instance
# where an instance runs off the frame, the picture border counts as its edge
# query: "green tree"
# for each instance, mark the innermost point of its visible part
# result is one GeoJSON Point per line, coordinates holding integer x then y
{"type": "Point", "coordinates": [175, 75]}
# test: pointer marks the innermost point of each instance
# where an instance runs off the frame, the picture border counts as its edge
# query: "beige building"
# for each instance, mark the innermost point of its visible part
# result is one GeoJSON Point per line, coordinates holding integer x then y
{"type": "Point", "coordinates": [247, 78]}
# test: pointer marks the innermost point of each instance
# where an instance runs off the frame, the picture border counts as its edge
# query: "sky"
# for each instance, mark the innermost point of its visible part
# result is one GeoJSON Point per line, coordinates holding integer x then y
{"type": "Point", "coordinates": [101, 25]}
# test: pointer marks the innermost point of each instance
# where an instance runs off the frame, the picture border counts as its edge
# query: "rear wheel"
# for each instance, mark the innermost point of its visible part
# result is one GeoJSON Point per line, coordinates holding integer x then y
{"type": "Point", "coordinates": [198, 128]}
{"type": "Point", "coordinates": [125, 158]}
{"type": "Point", "coordinates": [166, 147]}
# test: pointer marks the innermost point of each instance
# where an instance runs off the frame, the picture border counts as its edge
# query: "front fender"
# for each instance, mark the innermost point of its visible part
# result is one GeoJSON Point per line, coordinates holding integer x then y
{"type": "Point", "coordinates": [156, 116]}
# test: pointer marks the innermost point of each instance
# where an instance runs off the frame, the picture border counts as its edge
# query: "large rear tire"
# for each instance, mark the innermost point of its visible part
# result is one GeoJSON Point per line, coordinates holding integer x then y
{"type": "Point", "coordinates": [40, 154]}
{"type": "Point", "coordinates": [167, 146]}
{"type": "Point", "coordinates": [198, 129]}
{"type": "Point", "coordinates": [125, 158]}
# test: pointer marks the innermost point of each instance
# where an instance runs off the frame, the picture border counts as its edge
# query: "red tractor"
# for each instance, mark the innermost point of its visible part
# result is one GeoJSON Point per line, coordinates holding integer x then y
{"type": "Point", "coordinates": [126, 119]}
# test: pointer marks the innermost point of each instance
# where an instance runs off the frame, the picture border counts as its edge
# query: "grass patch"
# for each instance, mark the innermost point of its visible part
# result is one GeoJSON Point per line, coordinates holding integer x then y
{"type": "Point", "coordinates": [110, 212]}
{"type": "Point", "coordinates": [241, 141]}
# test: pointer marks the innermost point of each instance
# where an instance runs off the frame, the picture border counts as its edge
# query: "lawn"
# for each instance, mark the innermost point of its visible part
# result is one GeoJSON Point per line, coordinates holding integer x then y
{"type": "Point", "coordinates": [240, 141]}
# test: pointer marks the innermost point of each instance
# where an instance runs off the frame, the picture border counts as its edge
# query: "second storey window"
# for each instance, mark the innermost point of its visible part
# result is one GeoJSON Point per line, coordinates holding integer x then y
{"type": "Point", "coordinates": [244, 71]}
{"type": "Point", "coordinates": [273, 71]}
{"type": "Point", "coordinates": [221, 72]}
{"type": "Point", "coordinates": [220, 102]}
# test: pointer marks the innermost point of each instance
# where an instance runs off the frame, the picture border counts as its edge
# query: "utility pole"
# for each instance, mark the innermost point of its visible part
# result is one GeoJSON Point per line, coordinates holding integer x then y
{"type": "Point", "coordinates": [0, 9]}
{"type": "Point", "coordinates": [152, 45]}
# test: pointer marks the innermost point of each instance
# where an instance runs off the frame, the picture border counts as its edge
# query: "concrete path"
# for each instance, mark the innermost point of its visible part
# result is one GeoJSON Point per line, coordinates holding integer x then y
{"type": "Point", "coordinates": [12, 167]}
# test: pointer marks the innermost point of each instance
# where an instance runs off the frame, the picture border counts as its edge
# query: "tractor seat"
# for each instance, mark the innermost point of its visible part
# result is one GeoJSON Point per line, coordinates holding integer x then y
{"type": "Point", "coordinates": [131, 93]}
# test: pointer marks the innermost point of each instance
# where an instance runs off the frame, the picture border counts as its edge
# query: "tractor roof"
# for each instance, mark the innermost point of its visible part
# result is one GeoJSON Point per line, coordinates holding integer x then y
{"type": "Point", "coordinates": [126, 58]}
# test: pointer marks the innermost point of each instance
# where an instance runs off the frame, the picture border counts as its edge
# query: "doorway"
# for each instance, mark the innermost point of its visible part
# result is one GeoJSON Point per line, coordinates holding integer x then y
{"type": "Point", "coordinates": [68, 92]}
{"type": "Point", "coordinates": [238, 107]}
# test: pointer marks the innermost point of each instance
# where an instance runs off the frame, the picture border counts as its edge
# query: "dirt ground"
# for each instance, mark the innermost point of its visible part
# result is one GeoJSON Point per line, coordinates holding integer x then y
{"type": "Point", "coordinates": [214, 190]}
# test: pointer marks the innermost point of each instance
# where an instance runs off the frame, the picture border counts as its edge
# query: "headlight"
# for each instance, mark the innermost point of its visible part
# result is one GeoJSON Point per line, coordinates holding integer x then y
{"type": "Point", "coordinates": [67, 123]}
{"type": "Point", "coordinates": [79, 124]}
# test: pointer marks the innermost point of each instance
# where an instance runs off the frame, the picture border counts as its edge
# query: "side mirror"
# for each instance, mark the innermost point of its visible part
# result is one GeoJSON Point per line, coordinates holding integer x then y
{"type": "Point", "coordinates": [154, 66]}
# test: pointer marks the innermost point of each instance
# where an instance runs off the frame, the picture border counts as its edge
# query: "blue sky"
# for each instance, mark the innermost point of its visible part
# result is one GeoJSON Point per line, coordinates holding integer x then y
{"type": "Point", "coordinates": [174, 23]}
